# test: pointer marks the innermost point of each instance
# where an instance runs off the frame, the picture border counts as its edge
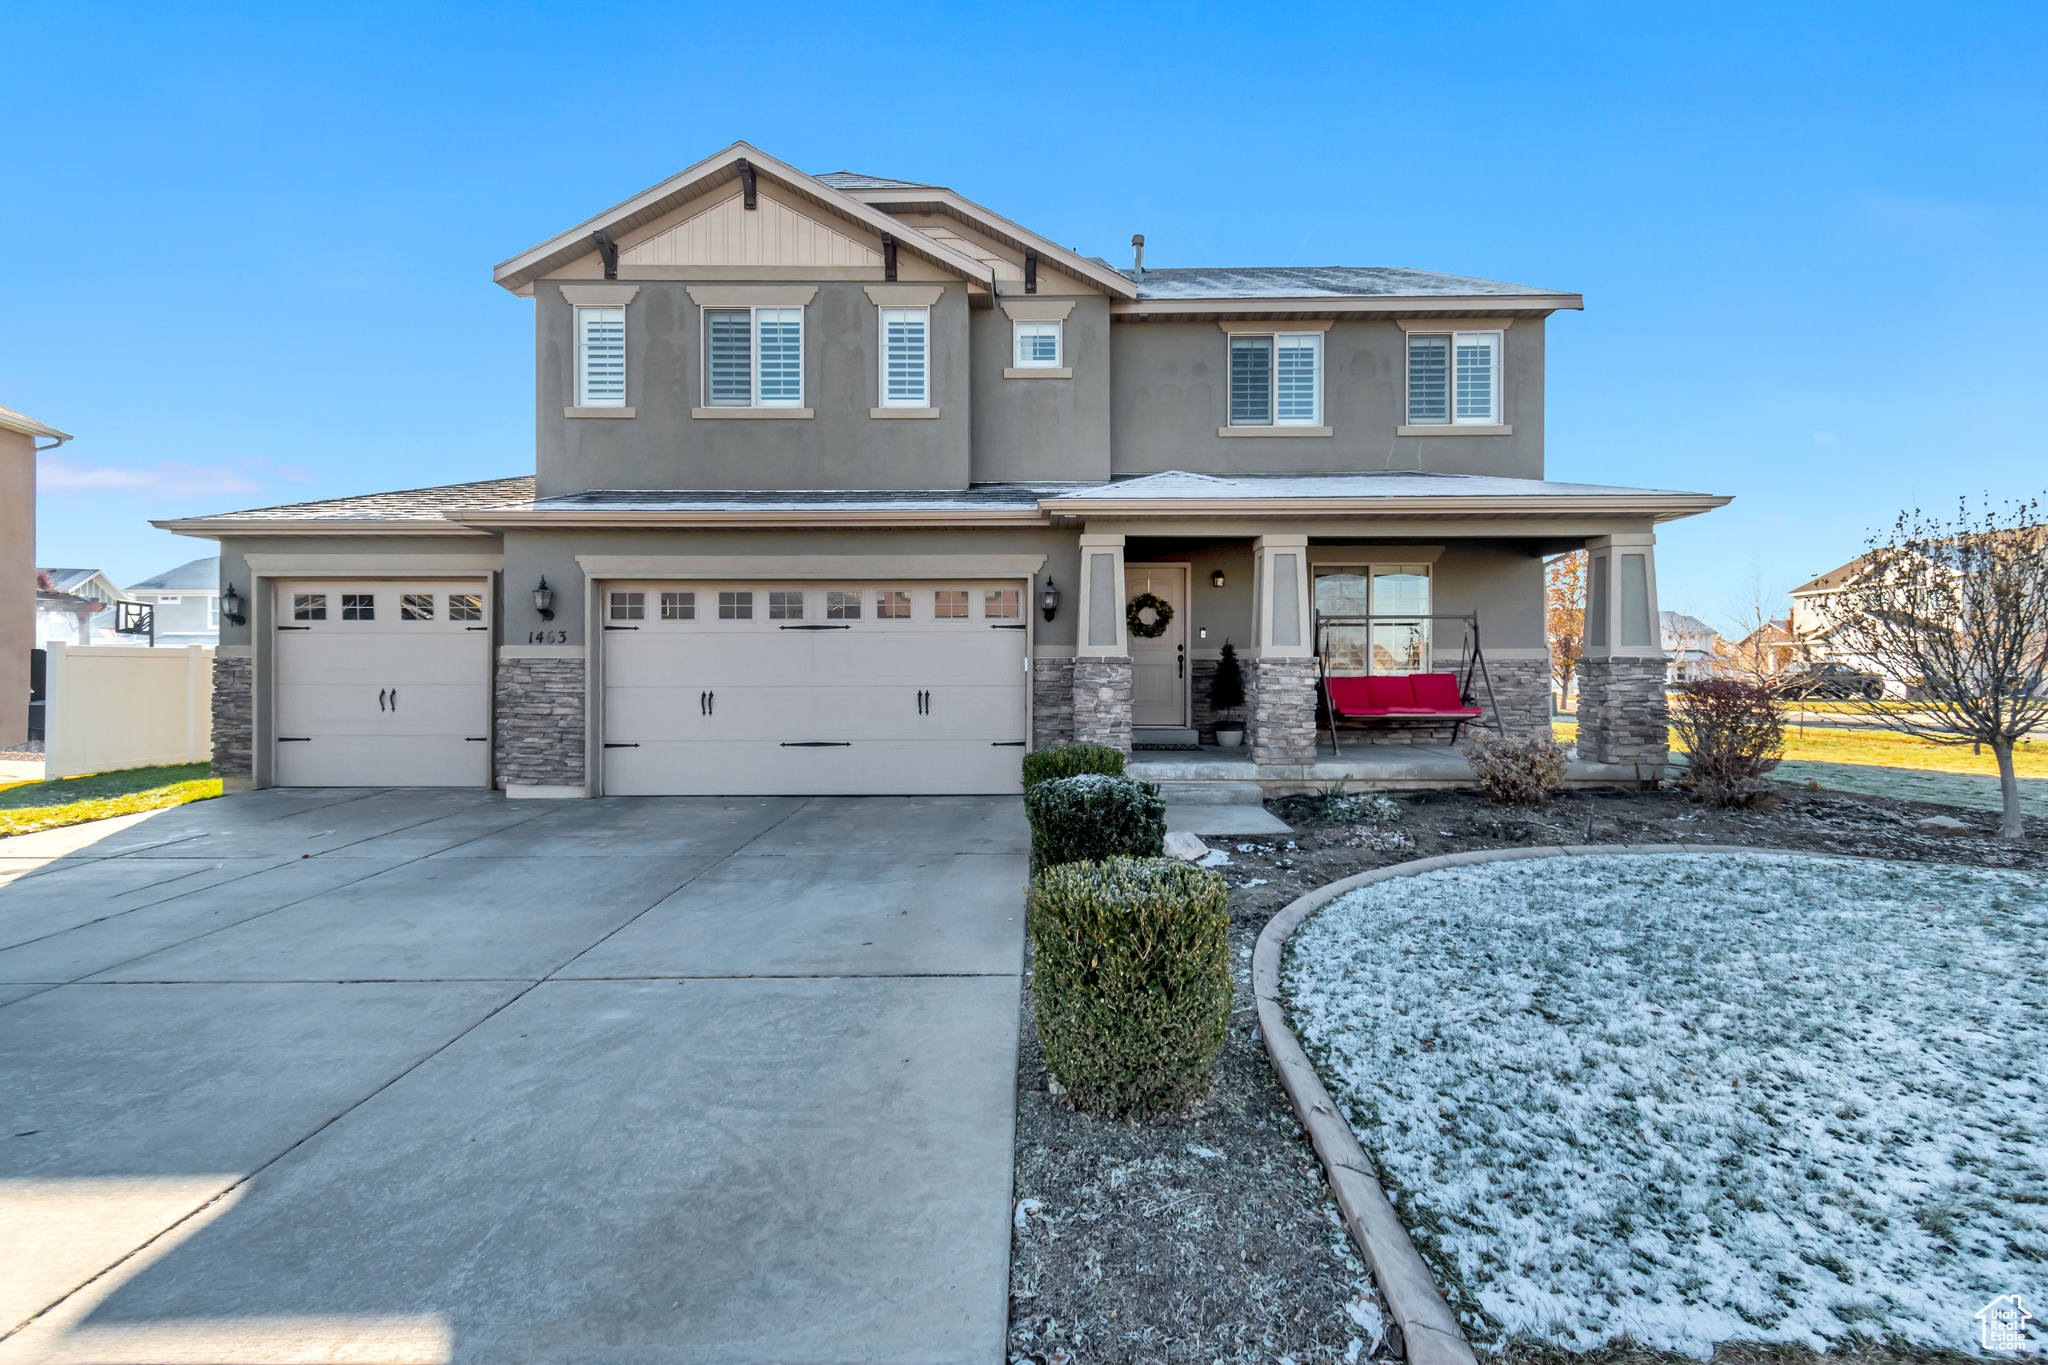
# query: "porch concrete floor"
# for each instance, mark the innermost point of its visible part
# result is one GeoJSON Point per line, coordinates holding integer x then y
{"type": "Point", "coordinates": [1364, 767]}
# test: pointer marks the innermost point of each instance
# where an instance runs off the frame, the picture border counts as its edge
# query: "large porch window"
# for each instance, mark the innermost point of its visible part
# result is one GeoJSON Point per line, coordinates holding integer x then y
{"type": "Point", "coordinates": [1384, 647]}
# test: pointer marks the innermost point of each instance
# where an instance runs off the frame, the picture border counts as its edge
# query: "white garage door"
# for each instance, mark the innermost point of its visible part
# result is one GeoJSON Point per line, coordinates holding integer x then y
{"type": "Point", "coordinates": [383, 684]}
{"type": "Point", "coordinates": [835, 689]}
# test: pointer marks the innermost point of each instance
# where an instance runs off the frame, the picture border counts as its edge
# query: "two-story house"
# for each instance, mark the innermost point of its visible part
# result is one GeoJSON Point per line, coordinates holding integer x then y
{"type": "Point", "coordinates": [851, 485]}
{"type": "Point", "coordinates": [185, 602]}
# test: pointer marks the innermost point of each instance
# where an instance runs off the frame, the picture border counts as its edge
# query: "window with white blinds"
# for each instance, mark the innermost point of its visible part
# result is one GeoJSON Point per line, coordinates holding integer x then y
{"type": "Point", "coordinates": [754, 357]}
{"type": "Point", "coordinates": [1454, 379]}
{"type": "Point", "coordinates": [906, 357]}
{"type": "Point", "coordinates": [600, 357]}
{"type": "Point", "coordinates": [1276, 380]}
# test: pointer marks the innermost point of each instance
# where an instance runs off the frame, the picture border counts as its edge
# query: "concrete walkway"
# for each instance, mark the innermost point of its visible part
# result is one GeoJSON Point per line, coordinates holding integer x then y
{"type": "Point", "coordinates": [430, 1076]}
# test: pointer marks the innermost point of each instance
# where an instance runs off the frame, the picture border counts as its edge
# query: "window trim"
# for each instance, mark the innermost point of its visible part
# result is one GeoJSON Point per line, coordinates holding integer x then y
{"type": "Point", "coordinates": [1275, 425]}
{"type": "Point", "coordinates": [583, 313]}
{"type": "Point", "coordinates": [924, 401]}
{"type": "Point", "coordinates": [1059, 345]}
{"type": "Point", "coordinates": [755, 403]}
{"type": "Point", "coordinates": [1495, 424]}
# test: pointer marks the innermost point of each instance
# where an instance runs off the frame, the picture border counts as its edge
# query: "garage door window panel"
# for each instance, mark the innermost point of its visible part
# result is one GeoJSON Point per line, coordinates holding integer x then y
{"type": "Point", "coordinates": [949, 604]}
{"type": "Point", "coordinates": [629, 606]}
{"type": "Point", "coordinates": [465, 606]}
{"type": "Point", "coordinates": [892, 605]}
{"type": "Point", "coordinates": [309, 606]}
{"type": "Point", "coordinates": [735, 606]}
{"type": "Point", "coordinates": [416, 606]}
{"type": "Point", "coordinates": [785, 606]}
{"type": "Point", "coordinates": [1002, 604]}
{"type": "Point", "coordinates": [358, 606]}
{"type": "Point", "coordinates": [842, 606]}
{"type": "Point", "coordinates": [679, 606]}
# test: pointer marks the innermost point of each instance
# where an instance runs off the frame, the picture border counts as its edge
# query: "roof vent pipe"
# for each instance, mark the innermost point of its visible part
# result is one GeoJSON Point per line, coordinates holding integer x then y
{"type": "Point", "coordinates": [1138, 252]}
{"type": "Point", "coordinates": [608, 251]}
{"type": "Point", "coordinates": [747, 182]}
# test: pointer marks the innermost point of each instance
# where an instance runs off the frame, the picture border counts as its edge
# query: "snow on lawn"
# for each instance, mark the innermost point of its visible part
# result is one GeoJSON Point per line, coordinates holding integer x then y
{"type": "Point", "coordinates": [1698, 1097]}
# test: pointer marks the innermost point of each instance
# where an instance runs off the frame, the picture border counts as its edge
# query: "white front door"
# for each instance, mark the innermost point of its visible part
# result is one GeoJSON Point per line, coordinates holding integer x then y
{"type": "Point", "coordinates": [1159, 666]}
{"type": "Point", "coordinates": [382, 683]}
{"type": "Point", "coordinates": [758, 688]}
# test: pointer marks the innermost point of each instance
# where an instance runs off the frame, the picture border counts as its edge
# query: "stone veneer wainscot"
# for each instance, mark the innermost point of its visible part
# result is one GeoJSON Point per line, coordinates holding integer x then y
{"type": "Point", "coordinates": [540, 723]}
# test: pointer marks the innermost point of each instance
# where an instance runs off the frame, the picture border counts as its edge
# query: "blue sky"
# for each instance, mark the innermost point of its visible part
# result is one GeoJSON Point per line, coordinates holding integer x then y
{"type": "Point", "coordinates": [248, 247]}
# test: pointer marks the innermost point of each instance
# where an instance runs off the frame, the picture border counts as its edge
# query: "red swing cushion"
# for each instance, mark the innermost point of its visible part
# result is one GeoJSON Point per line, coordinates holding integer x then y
{"type": "Point", "coordinates": [1399, 694]}
{"type": "Point", "coordinates": [1437, 691]}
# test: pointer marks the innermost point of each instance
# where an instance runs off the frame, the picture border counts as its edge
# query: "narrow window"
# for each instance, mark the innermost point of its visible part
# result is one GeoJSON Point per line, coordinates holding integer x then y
{"type": "Point", "coordinates": [950, 604]}
{"type": "Point", "coordinates": [892, 606]}
{"type": "Point", "coordinates": [1478, 377]}
{"type": "Point", "coordinates": [1429, 380]}
{"type": "Point", "coordinates": [1297, 370]}
{"type": "Point", "coordinates": [905, 357]}
{"type": "Point", "coordinates": [416, 606]}
{"type": "Point", "coordinates": [358, 606]}
{"type": "Point", "coordinates": [679, 606]}
{"type": "Point", "coordinates": [465, 606]}
{"type": "Point", "coordinates": [1251, 381]}
{"type": "Point", "coordinates": [629, 606]}
{"type": "Point", "coordinates": [842, 606]}
{"type": "Point", "coordinates": [600, 357]}
{"type": "Point", "coordinates": [1001, 604]}
{"type": "Point", "coordinates": [785, 606]}
{"type": "Point", "coordinates": [781, 340]}
{"type": "Point", "coordinates": [306, 606]}
{"type": "Point", "coordinates": [1038, 345]}
{"type": "Point", "coordinates": [729, 348]}
{"type": "Point", "coordinates": [213, 611]}
{"type": "Point", "coordinates": [735, 606]}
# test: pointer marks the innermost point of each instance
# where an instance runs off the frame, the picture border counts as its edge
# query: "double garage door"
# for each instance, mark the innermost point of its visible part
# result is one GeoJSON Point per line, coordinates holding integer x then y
{"type": "Point", "coordinates": [382, 683]}
{"type": "Point", "coordinates": [837, 688]}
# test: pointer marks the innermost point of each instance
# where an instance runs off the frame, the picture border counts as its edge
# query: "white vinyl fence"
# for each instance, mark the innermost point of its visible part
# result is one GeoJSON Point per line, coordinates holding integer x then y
{"type": "Point", "coordinates": [113, 706]}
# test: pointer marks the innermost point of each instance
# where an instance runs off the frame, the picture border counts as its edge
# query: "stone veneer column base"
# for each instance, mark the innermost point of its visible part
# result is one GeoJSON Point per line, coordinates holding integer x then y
{"type": "Point", "coordinates": [1052, 703]}
{"type": "Point", "coordinates": [541, 707]}
{"type": "Point", "coordinates": [1102, 702]}
{"type": "Point", "coordinates": [1282, 727]}
{"type": "Point", "coordinates": [1522, 688]}
{"type": "Point", "coordinates": [234, 721]}
{"type": "Point", "coordinates": [1622, 715]}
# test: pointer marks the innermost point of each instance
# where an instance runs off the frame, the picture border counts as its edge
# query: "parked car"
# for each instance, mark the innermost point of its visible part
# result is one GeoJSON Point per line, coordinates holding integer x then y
{"type": "Point", "coordinates": [1832, 680]}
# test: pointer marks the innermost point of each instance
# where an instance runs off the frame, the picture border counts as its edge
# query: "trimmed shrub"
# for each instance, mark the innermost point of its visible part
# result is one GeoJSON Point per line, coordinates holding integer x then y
{"type": "Point", "coordinates": [1094, 816]}
{"type": "Point", "coordinates": [1131, 974]}
{"type": "Point", "coordinates": [1071, 760]}
{"type": "Point", "coordinates": [1519, 772]}
{"type": "Point", "coordinates": [1733, 732]}
{"type": "Point", "coordinates": [1226, 689]}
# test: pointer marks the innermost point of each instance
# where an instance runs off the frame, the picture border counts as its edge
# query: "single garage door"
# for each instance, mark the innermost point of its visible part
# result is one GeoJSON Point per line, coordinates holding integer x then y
{"type": "Point", "coordinates": [383, 684]}
{"type": "Point", "coordinates": [836, 689]}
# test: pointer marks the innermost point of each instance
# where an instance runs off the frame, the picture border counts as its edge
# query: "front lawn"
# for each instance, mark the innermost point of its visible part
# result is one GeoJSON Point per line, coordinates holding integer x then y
{"type": "Point", "coordinates": [1883, 749]}
{"type": "Point", "coordinates": [31, 806]}
{"type": "Point", "coordinates": [1697, 1098]}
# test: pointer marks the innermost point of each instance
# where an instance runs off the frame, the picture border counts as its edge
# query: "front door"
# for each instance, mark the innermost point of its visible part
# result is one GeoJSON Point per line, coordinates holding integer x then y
{"type": "Point", "coordinates": [1159, 663]}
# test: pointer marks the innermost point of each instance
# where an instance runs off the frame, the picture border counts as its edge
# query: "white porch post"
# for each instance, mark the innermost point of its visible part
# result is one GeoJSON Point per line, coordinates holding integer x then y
{"type": "Point", "coordinates": [1622, 715]}
{"type": "Point", "coordinates": [1102, 661]}
{"type": "Point", "coordinates": [1282, 731]}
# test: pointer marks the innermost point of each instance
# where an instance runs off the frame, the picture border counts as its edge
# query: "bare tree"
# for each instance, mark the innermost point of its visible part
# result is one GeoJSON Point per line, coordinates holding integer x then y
{"type": "Point", "coordinates": [1564, 609]}
{"type": "Point", "coordinates": [1756, 648]}
{"type": "Point", "coordinates": [1959, 610]}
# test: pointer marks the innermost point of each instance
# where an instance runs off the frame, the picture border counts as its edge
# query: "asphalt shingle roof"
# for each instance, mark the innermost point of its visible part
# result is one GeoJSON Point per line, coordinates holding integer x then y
{"type": "Point", "coordinates": [854, 180]}
{"type": "Point", "coordinates": [198, 573]}
{"type": "Point", "coordinates": [410, 504]}
{"type": "Point", "coordinates": [1314, 281]}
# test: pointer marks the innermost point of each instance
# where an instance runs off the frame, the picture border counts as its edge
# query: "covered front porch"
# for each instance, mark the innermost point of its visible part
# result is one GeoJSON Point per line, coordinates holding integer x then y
{"type": "Point", "coordinates": [1376, 767]}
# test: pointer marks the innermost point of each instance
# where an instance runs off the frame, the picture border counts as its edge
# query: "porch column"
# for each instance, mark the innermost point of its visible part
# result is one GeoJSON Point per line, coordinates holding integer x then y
{"type": "Point", "coordinates": [1282, 725]}
{"type": "Point", "coordinates": [1102, 662]}
{"type": "Point", "coordinates": [1622, 715]}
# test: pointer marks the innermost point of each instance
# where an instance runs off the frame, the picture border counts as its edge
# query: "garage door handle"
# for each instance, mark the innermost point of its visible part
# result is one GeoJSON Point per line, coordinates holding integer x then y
{"type": "Point", "coordinates": [707, 702]}
{"type": "Point", "coordinates": [380, 699]}
{"type": "Point", "coordinates": [476, 627]}
{"type": "Point", "coordinates": [1006, 626]}
{"type": "Point", "coordinates": [814, 627]}
{"type": "Point", "coordinates": [294, 739]}
{"type": "Point", "coordinates": [1007, 744]}
{"type": "Point", "coordinates": [610, 745]}
{"type": "Point", "coordinates": [817, 744]}
{"type": "Point", "coordinates": [394, 699]}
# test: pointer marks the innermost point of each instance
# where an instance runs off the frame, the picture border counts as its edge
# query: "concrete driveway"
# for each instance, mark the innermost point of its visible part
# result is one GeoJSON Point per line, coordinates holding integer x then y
{"type": "Point", "coordinates": [405, 1075]}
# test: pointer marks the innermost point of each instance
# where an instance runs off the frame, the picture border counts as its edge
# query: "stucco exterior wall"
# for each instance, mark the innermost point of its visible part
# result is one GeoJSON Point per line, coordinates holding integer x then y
{"type": "Point", "coordinates": [1171, 391]}
{"type": "Point", "coordinates": [1028, 429]}
{"type": "Point", "coordinates": [663, 446]}
{"type": "Point", "coordinates": [17, 581]}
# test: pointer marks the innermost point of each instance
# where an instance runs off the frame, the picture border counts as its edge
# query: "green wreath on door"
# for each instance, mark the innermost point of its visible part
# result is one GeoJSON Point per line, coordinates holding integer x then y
{"type": "Point", "coordinates": [1162, 616]}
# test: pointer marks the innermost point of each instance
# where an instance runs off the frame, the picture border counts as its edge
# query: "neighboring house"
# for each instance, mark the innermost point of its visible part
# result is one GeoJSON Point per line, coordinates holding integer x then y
{"type": "Point", "coordinates": [18, 615]}
{"type": "Point", "coordinates": [1816, 605]}
{"type": "Point", "coordinates": [77, 607]}
{"type": "Point", "coordinates": [186, 602]}
{"type": "Point", "coordinates": [1768, 650]}
{"type": "Point", "coordinates": [849, 484]}
{"type": "Point", "coordinates": [1689, 647]}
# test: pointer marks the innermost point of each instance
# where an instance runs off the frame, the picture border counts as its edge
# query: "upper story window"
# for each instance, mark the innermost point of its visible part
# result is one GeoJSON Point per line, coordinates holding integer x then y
{"type": "Point", "coordinates": [1454, 379]}
{"type": "Point", "coordinates": [1276, 380]}
{"type": "Point", "coordinates": [1038, 345]}
{"type": "Point", "coordinates": [600, 357]}
{"type": "Point", "coordinates": [906, 357]}
{"type": "Point", "coordinates": [754, 357]}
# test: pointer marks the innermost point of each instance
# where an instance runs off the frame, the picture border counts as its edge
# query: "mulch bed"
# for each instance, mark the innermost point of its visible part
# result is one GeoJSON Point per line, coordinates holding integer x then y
{"type": "Point", "coordinates": [1210, 1235]}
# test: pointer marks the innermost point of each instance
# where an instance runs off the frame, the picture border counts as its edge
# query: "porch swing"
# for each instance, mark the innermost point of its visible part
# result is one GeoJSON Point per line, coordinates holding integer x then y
{"type": "Point", "coordinates": [1406, 699]}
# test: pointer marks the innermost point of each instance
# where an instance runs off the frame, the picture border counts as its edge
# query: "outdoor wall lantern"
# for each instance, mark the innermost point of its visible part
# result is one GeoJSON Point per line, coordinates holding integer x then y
{"type": "Point", "coordinates": [544, 600]}
{"type": "Point", "coordinates": [1217, 578]}
{"type": "Point", "coordinates": [1049, 599]}
{"type": "Point", "coordinates": [231, 607]}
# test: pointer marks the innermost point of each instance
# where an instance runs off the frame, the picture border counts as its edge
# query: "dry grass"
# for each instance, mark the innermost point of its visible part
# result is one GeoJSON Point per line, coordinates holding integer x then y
{"type": "Point", "coordinates": [1884, 749]}
{"type": "Point", "coordinates": [32, 806]}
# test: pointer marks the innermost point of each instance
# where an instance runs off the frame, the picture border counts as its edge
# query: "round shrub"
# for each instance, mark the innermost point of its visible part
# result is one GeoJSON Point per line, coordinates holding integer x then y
{"type": "Point", "coordinates": [1519, 772]}
{"type": "Point", "coordinates": [1131, 974]}
{"type": "Point", "coordinates": [1094, 816]}
{"type": "Point", "coordinates": [1072, 760]}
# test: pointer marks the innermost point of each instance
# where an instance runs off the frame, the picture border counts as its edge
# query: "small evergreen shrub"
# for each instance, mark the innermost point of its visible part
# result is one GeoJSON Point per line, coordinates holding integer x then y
{"type": "Point", "coordinates": [1094, 816]}
{"type": "Point", "coordinates": [1519, 772]}
{"type": "Point", "coordinates": [1733, 732]}
{"type": "Point", "coordinates": [1131, 974]}
{"type": "Point", "coordinates": [1226, 689]}
{"type": "Point", "coordinates": [1071, 760]}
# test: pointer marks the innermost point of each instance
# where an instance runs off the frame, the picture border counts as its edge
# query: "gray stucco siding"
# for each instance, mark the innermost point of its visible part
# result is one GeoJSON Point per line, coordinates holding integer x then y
{"type": "Point", "coordinates": [663, 446]}
{"type": "Point", "coordinates": [1028, 429]}
{"type": "Point", "coordinates": [1171, 391]}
